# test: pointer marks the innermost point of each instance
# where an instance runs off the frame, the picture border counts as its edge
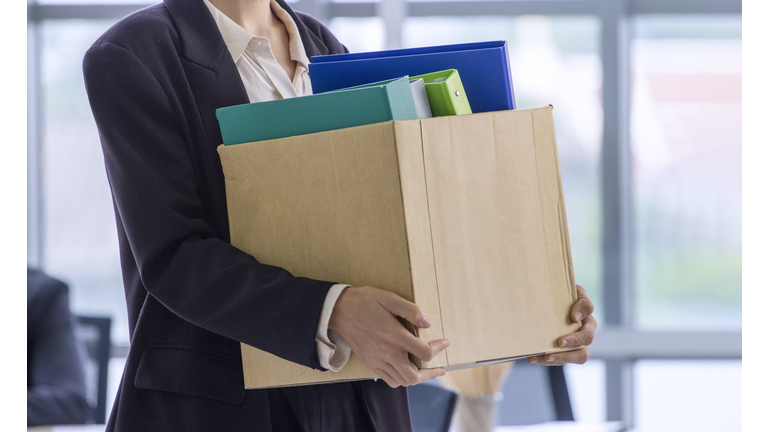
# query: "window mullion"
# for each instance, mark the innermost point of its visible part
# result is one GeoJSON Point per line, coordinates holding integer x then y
{"type": "Point", "coordinates": [616, 199]}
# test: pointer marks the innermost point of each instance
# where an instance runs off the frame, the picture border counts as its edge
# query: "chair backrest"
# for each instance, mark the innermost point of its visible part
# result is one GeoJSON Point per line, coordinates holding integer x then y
{"type": "Point", "coordinates": [534, 394]}
{"type": "Point", "coordinates": [431, 407]}
{"type": "Point", "coordinates": [94, 332]}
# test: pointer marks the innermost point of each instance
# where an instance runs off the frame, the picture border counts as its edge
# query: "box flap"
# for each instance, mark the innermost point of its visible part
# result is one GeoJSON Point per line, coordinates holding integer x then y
{"type": "Point", "coordinates": [492, 182]}
{"type": "Point", "coordinates": [275, 186]}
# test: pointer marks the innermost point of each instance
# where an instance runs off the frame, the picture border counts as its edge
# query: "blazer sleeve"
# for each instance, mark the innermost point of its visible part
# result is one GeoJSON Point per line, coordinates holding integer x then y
{"type": "Point", "coordinates": [155, 187]}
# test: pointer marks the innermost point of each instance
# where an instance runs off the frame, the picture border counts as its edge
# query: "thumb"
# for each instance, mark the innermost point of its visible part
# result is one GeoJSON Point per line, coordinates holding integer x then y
{"type": "Point", "coordinates": [428, 374]}
{"type": "Point", "coordinates": [398, 306]}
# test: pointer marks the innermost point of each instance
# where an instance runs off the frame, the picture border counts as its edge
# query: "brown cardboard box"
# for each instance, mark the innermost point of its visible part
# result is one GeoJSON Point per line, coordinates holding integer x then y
{"type": "Point", "coordinates": [464, 215]}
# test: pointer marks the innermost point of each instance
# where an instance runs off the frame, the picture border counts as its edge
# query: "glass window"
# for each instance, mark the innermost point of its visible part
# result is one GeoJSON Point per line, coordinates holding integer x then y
{"type": "Point", "coordinates": [553, 60]}
{"type": "Point", "coordinates": [586, 389]}
{"type": "Point", "coordinates": [677, 395]}
{"type": "Point", "coordinates": [79, 231]}
{"type": "Point", "coordinates": [686, 149]}
{"type": "Point", "coordinates": [359, 34]}
{"type": "Point", "coordinates": [116, 367]}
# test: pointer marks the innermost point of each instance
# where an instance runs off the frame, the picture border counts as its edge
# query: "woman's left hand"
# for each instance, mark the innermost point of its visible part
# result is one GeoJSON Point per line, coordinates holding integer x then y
{"type": "Point", "coordinates": [580, 312]}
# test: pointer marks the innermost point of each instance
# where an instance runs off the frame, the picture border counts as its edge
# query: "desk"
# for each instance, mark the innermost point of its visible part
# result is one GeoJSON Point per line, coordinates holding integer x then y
{"type": "Point", "coordinates": [565, 426]}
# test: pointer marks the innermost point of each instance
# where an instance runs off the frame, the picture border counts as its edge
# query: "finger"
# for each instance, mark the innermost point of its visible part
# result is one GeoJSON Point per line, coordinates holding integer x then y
{"type": "Point", "coordinates": [387, 378]}
{"type": "Point", "coordinates": [407, 371]}
{"type": "Point", "coordinates": [396, 374]}
{"type": "Point", "coordinates": [422, 350]}
{"type": "Point", "coordinates": [579, 356]}
{"type": "Point", "coordinates": [536, 359]}
{"type": "Point", "coordinates": [428, 374]}
{"type": "Point", "coordinates": [583, 306]}
{"type": "Point", "coordinates": [584, 336]}
{"type": "Point", "coordinates": [398, 306]}
{"type": "Point", "coordinates": [413, 375]}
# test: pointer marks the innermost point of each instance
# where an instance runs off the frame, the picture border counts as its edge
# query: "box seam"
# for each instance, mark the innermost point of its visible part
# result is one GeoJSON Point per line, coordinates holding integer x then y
{"type": "Point", "coordinates": [402, 200]}
{"type": "Point", "coordinates": [562, 215]}
{"type": "Point", "coordinates": [562, 218]}
{"type": "Point", "coordinates": [432, 238]}
{"type": "Point", "coordinates": [538, 184]}
{"type": "Point", "coordinates": [415, 330]}
{"type": "Point", "coordinates": [560, 205]}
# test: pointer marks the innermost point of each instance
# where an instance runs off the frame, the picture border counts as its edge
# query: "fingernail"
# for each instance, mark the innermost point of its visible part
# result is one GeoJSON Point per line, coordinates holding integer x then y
{"type": "Point", "coordinates": [564, 342]}
{"type": "Point", "coordinates": [551, 359]}
{"type": "Point", "coordinates": [578, 316]}
{"type": "Point", "coordinates": [534, 361]}
{"type": "Point", "coordinates": [446, 343]}
{"type": "Point", "coordinates": [425, 322]}
{"type": "Point", "coordinates": [442, 373]}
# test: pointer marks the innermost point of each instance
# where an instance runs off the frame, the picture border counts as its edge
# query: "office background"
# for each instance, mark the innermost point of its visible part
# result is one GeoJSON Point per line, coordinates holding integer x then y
{"type": "Point", "coordinates": [647, 97]}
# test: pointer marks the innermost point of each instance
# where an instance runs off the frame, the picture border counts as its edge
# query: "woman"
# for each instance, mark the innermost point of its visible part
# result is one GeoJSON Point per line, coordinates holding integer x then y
{"type": "Point", "coordinates": [154, 81]}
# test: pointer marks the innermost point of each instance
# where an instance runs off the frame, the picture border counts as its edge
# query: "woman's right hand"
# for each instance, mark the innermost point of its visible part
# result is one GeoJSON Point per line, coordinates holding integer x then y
{"type": "Point", "coordinates": [366, 317]}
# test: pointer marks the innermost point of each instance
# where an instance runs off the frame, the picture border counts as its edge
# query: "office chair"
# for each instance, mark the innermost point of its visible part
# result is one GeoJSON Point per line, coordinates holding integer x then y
{"type": "Point", "coordinates": [534, 394]}
{"type": "Point", "coordinates": [431, 407]}
{"type": "Point", "coordinates": [94, 332]}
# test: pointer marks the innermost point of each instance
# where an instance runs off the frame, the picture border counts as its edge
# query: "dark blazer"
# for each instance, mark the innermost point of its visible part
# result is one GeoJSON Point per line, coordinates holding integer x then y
{"type": "Point", "coordinates": [154, 81]}
{"type": "Point", "coordinates": [56, 391]}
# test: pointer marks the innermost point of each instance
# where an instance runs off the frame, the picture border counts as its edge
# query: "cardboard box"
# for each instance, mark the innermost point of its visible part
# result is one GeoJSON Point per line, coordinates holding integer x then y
{"type": "Point", "coordinates": [464, 215]}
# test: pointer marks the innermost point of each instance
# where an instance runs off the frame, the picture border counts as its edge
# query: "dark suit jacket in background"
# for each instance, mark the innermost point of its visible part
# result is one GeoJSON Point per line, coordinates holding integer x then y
{"type": "Point", "coordinates": [154, 81]}
{"type": "Point", "coordinates": [56, 390]}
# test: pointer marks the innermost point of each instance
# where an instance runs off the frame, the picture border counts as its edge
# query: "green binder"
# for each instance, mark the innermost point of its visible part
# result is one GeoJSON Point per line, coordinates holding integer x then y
{"type": "Point", "coordinates": [446, 93]}
{"type": "Point", "coordinates": [362, 105]}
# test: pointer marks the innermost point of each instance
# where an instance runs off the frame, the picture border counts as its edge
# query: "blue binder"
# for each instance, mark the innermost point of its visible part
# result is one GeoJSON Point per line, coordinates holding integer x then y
{"type": "Point", "coordinates": [483, 66]}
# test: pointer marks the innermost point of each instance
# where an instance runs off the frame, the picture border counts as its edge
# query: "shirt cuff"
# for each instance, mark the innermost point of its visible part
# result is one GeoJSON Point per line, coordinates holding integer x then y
{"type": "Point", "coordinates": [332, 350]}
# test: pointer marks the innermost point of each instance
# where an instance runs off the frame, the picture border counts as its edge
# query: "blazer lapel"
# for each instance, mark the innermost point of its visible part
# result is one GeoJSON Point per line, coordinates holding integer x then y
{"type": "Point", "coordinates": [216, 82]}
{"type": "Point", "coordinates": [201, 41]}
{"type": "Point", "coordinates": [212, 76]}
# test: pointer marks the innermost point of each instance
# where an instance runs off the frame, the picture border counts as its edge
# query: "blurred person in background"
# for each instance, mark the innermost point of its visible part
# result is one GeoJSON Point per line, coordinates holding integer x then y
{"type": "Point", "coordinates": [56, 389]}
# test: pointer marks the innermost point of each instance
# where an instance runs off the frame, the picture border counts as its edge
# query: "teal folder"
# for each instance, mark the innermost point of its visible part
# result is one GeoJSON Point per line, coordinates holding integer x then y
{"type": "Point", "coordinates": [362, 105]}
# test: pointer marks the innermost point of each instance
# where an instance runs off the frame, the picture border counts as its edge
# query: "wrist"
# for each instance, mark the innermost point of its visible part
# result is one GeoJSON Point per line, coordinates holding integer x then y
{"type": "Point", "coordinates": [337, 315]}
